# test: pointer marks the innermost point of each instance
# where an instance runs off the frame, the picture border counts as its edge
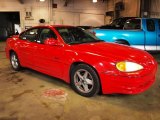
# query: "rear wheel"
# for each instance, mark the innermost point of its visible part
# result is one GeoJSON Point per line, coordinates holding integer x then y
{"type": "Point", "coordinates": [84, 80]}
{"type": "Point", "coordinates": [15, 61]}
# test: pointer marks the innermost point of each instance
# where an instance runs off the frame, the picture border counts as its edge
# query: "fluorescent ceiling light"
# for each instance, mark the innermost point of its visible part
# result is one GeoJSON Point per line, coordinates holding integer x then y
{"type": "Point", "coordinates": [41, 0]}
{"type": "Point", "coordinates": [94, 1]}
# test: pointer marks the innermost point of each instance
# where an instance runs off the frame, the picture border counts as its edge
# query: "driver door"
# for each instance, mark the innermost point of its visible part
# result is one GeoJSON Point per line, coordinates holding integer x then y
{"type": "Point", "coordinates": [48, 59]}
{"type": "Point", "coordinates": [27, 46]}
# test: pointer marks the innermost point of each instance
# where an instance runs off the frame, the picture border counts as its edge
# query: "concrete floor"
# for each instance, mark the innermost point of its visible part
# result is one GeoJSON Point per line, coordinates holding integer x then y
{"type": "Point", "coordinates": [21, 98]}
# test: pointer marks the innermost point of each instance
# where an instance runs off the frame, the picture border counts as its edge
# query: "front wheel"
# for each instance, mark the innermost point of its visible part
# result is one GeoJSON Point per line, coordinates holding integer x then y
{"type": "Point", "coordinates": [15, 61]}
{"type": "Point", "coordinates": [84, 80]}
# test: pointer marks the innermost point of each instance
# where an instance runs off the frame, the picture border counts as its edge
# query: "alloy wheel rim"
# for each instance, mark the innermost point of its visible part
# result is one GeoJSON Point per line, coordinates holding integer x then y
{"type": "Point", "coordinates": [83, 81]}
{"type": "Point", "coordinates": [14, 61]}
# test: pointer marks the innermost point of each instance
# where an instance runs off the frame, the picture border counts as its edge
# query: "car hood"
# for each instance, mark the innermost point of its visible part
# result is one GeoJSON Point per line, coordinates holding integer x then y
{"type": "Point", "coordinates": [112, 50]}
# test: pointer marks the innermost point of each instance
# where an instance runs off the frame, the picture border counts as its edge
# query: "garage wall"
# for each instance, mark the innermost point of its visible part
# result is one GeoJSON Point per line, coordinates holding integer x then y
{"type": "Point", "coordinates": [154, 9]}
{"type": "Point", "coordinates": [132, 8]}
{"type": "Point", "coordinates": [38, 11]}
{"type": "Point", "coordinates": [11, 5]}
{"type": "Point", "coordinates": [91, 19]}
{"type": "Point", "coordinates": [79, 12]}
{"type": "Point", "coordinates": [76, 12]}
{"type": "Point", "coordinates": [78, 19]}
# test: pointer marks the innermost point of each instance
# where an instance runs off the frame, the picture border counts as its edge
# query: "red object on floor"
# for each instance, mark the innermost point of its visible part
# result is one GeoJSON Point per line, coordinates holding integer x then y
{"type": "Point", "coordinates": [53, 93]}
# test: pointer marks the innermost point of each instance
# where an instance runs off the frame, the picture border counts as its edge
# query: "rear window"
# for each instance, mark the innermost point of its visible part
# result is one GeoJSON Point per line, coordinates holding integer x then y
{"type": "Point", "coordinates": [132, 24]}
{"type": "Point", "coordinates": [150, 25]}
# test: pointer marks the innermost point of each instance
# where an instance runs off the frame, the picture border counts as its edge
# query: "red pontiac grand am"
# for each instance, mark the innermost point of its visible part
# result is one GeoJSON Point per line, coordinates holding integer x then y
{"type": "Point", "coordinates": [80, 59]}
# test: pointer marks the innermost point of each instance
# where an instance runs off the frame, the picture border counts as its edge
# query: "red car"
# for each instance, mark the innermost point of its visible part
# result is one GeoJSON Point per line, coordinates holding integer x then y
{"type": "Point", "coordinates": [80, 59]}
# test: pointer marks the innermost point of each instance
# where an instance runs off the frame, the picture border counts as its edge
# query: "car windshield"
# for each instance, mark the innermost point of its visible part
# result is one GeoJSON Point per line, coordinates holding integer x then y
{"type": "Point", "coordinates": [115, 22]}
{"type": "Point", "coordinates": [119, 21]}
{"type": "Point", "coordinates": [75, 35]}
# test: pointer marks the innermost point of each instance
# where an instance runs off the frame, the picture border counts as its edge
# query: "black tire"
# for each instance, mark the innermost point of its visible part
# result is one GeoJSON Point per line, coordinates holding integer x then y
{"type": "Point", "coordinates": [84, 80]}
{"type": "Point", "coordinates": [15, 61]}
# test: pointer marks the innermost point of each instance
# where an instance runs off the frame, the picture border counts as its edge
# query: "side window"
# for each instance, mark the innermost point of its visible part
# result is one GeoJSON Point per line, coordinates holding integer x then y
{"type": "Point", "coordinates": [150, 25]}
{"type": "Point", "coordinates": [46, 33]}
{"type": "Point", "coordinates": [30, 35]}
{"type": "Point", "coordinates": [132, 24]}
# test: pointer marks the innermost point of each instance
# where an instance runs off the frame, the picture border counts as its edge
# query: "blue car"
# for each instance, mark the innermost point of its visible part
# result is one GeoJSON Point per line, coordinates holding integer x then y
{"type": "Point", "coordinates": [142, 33]}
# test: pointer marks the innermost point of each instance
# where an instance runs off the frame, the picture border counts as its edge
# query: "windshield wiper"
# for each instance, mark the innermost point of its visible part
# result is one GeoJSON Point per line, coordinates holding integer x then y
{"type": "Point", "coordinates": [93, 41]}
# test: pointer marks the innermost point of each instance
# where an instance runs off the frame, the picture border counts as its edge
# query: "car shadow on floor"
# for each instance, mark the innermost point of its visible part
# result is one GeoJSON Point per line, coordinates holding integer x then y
{"type": "Point", "coordinates": [45, 77]}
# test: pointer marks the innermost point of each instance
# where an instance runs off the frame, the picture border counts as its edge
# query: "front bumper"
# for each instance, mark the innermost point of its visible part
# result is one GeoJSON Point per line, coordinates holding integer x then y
{"type": "Point", "coordinates": [130, 84]}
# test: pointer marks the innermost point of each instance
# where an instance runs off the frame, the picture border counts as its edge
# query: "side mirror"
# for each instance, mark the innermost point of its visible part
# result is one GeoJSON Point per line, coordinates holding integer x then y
{"type": "Point", "coordinates": [52, 42]}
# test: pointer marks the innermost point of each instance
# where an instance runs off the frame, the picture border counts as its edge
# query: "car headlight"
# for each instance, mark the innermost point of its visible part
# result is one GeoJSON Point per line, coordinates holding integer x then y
{"type": "Point", "coordinates": [125, 66]}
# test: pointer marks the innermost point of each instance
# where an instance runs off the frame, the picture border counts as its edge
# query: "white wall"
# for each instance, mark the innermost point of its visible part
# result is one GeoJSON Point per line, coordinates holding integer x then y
{"type": "Point", "coordinates": [91, 19]}
{"type": "Point", "coordinates": [77, 12]}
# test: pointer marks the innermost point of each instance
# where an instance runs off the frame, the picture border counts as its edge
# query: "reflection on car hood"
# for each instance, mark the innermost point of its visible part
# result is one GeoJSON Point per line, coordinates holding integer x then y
{"type": "Point", "coordinates": [112, 50]}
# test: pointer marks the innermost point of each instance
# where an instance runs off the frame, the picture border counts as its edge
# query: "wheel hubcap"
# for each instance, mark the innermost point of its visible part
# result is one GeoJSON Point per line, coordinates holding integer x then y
{"type": "Point", "coordinates": [14, 61]}
{"type": "Point", "coordinates": [83, 81]}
